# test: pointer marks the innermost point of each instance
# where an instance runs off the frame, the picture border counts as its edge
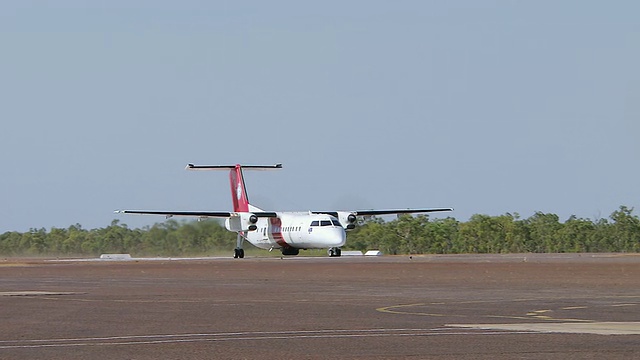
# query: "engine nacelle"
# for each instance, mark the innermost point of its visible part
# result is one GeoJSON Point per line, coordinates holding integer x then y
{"type": "Point", "coordinates": [347, 219]}
{"type": "Point", "coordinates": [241, 222]}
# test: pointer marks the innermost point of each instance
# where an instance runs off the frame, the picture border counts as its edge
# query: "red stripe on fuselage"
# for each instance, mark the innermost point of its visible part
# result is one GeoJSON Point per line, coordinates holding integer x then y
{"type": "Point", "coordinates": [276, 232]}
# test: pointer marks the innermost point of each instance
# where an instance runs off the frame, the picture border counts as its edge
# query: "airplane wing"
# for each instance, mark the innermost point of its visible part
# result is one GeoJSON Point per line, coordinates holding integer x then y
{"type": "Point", "coordinates": [398, 211]}
{"type": "Point", "coordinates": [384, 212]}
{"type": "Point", "coordinates": [348, 218]}
{"type": "Point", "coordinates": [201, 214]}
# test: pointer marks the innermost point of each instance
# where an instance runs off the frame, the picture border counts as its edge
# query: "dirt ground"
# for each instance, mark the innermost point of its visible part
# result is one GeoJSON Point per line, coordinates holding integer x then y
{"type": "Point", "coordinates": [445, 307]}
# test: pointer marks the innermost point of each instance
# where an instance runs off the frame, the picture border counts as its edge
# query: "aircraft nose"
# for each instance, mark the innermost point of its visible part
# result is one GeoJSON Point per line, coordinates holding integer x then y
{"type": "Point", "coordinates": [340, 237]}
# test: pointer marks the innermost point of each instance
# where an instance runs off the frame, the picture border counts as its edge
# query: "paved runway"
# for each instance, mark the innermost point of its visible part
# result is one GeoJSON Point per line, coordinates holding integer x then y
{"type": "Point", "coordinates": [562, 306]}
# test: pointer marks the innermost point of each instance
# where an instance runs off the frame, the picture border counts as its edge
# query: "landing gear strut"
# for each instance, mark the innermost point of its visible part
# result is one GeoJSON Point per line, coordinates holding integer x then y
{"type": "Point", "coordinates": [334, 252]}
{"type": "Point", "coordinates": [238, 252]}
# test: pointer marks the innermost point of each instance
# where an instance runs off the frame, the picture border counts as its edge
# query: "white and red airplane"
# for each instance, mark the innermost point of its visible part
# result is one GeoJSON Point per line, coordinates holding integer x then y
{"type": "Point", "coordinates": [287, 231]}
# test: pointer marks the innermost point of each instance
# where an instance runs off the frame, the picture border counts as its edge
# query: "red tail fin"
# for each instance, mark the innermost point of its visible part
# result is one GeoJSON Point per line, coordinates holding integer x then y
{"type": "Point", "coordinates": [238, 190]}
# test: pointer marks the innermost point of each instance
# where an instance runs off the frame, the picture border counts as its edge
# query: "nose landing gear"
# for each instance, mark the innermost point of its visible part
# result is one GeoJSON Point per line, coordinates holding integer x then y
{"type": "Point", "coordinates": [334, 252]}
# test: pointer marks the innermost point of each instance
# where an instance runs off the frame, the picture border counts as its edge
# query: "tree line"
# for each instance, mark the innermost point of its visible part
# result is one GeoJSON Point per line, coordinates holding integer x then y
{"type": "Point", "coordinates": [508, 233]}
{"type": "Point", "coordinates": [169, 238]}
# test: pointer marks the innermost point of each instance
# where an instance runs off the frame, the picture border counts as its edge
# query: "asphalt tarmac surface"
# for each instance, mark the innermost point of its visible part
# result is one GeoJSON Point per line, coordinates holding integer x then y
{"type": "Point", "coordinates": [529, 306]}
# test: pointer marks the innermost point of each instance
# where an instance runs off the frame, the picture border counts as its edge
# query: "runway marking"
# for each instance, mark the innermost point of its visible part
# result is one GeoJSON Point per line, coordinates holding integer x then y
{"type": "Point", "coordinates": [158, 301]}
{"type": "Point", "coordinates": [37, 293]}
{"type": "Point", "coordinates": [536, 313]}
{"type": "Point", "coordinates": [132, 259]}
{"type": "Point", "coordinates": [541, 314]}
{"type": "Point", "coordinates": [243, 336]}
{"type": "Point", "coordinates": [15, 265]}
{"type": "Point", "coordinates": [597, 328]}
{"type": "Point", "coordinates": [178, 301]}
{"type": "Point", "coordinates": [392, 310]}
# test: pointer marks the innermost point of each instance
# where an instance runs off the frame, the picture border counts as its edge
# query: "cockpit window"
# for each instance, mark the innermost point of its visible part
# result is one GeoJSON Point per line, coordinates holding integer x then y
{"type": "Point", "coordinates": [325, 223]}
{"type": "Point", "coordinates": [335, 222]}
{"type": "Point", "coordinates": [315, 223]}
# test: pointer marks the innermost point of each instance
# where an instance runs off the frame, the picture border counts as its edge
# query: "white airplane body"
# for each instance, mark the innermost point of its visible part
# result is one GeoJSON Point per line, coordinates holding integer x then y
{"type": "Point", "coordinates": [297, 230]}
{"type": "Point", "coordinates": [287, 231]}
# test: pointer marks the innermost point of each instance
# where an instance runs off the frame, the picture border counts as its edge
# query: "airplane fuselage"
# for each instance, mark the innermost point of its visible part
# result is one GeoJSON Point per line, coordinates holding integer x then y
{"type": "Point", "coordinates": [298, 230]}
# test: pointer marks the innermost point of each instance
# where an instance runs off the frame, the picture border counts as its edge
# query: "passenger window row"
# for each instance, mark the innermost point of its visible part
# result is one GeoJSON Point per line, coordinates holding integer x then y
{"type": "Point", "coordinates": [325, 223]}
{"type": "Point", "coordinates": [298, 228]}
{"type": "Point", "coordinates": [287, 228]}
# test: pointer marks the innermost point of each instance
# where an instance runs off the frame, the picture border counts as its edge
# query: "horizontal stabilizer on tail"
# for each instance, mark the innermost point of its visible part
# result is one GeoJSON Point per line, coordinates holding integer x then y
{"type": "Point", "coordinates": [228, 167]}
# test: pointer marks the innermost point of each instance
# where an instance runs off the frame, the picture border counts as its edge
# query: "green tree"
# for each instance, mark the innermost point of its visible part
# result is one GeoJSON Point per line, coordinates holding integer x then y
{"type": "Point", "coordinates": [481, 234]}
{"type": "Point", "coordinates": [442, 235]}
{"type": "Point", "coordinates": [625, 230]}
{"type": "Point", "coordinates": [55, 240]}
{"type": "Point", "coordinates": [10, 243]}
{"type": "Point", "coordinates": [576, 235]}
{"type": "Point", "coordinates": [410, 234]}
{"type": "Point", "coordinates": [75, 237]}
{"type": "Point", "coordinates": [543, 230]}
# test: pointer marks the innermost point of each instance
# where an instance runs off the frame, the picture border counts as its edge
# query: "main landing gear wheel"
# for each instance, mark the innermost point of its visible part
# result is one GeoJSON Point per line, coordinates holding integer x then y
{"type": "Point", "coordinates": [290, 251]}
{"type": "Point", "coordinates": [238, 252]}
{"type": "Point", "coordinates": [334, 252]}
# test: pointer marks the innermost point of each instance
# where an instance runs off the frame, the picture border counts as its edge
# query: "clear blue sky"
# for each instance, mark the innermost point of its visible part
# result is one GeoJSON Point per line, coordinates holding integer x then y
{"type": "Point", "coordinates": [485, 106]}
